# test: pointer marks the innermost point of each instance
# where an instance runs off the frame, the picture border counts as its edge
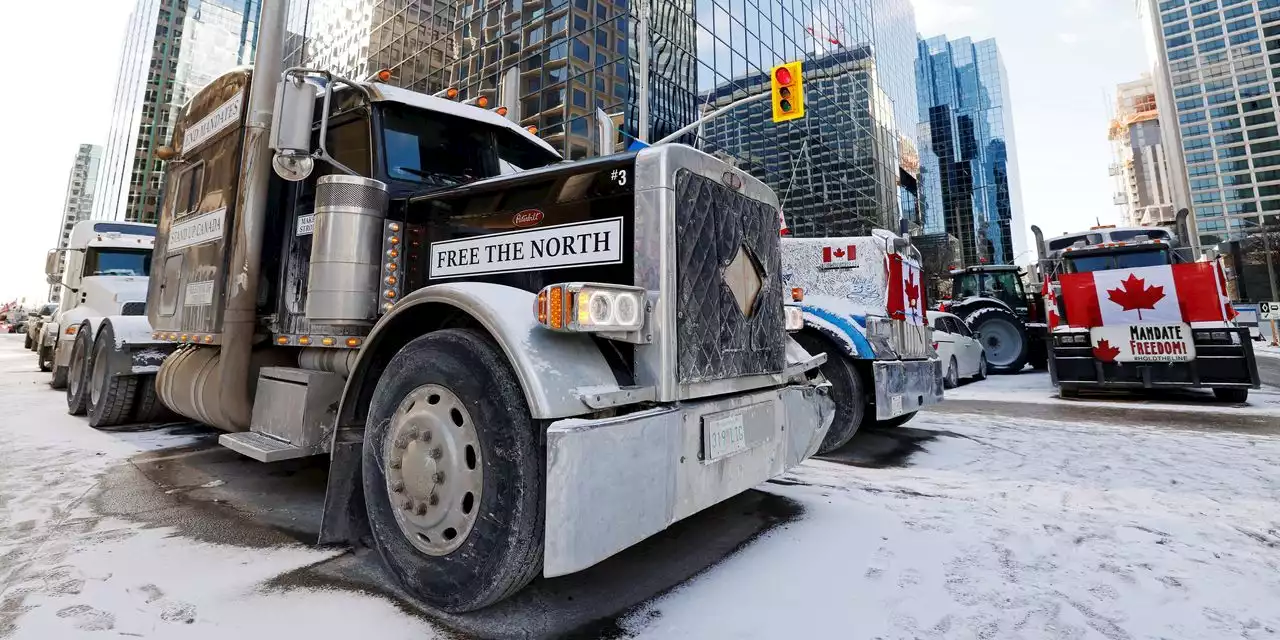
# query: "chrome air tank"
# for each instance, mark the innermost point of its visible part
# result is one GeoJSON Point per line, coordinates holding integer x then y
{"type": "Point", "coordinates": [346, 250]}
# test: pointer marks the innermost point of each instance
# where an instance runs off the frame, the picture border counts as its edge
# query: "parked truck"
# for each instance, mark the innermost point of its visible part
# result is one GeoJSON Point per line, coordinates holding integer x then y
{"type": "Point", "coordinates": [1139, 314]}
{"type": "Point", "coordinates": [517, 366]}
{"type": "Point", "coordinates": [864, 307]}
{"type": "Point", "coordinates": [99, 344]}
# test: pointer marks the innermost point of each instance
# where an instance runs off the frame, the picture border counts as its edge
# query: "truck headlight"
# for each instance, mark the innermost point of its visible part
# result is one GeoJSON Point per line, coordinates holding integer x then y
{"type": "Point", "coordinates": [590, 307]}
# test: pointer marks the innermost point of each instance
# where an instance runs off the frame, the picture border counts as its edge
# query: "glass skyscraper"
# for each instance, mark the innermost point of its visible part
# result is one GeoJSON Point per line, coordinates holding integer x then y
{"type": "Point", "coordinates": [1217, 64]}
{"type": "Point", "coordinates": [968, 158]}
{"type": "Point", "coordinates": [172, 49]}
{"type": "Point", "coordinates": [837, 170]}
{"type": "Point", "coordinates": [81, 189]}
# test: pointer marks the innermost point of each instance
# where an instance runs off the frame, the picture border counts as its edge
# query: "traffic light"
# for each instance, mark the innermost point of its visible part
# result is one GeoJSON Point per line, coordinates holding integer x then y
{"type": "Point", "coordinates": [787, 82]}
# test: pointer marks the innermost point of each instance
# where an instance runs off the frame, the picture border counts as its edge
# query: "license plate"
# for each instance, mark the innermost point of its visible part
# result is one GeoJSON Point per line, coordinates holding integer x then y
{"type": "Point", "coordinates": [1143, 343]}
{"type": "Point", "coordinates": [723, 436]}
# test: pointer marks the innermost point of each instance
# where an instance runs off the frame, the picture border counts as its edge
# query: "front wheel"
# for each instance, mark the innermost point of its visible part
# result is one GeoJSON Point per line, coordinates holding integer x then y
{"type": "Point", "coordinates": [846, 392]}
{"type": "Point", "coordinates": [1231, 394]}
{"type": "Point", "coordinates": [453, 472]}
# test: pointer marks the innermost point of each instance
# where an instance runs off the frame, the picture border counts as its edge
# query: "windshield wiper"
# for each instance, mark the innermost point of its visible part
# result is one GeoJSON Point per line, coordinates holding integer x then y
{"type": "Point", "coordinates": [436, 176]}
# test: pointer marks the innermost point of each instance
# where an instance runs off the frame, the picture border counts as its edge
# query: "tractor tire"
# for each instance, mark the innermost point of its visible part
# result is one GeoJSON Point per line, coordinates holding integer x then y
{"type": "Point", "coordinates": [78, 372]}
{"type": "Point", "coordinates": [149, 409]}
{"type": "Point", "coordinates": [453, 471]}
{"type": "Point", "coordinates": [110, 397]}
{"type": "Point", "coordinates": [1003, 337]}
{"type": "Point", "coordinates": [847, 391]}
{"type": "Point", "coordinates": [1237, 395]}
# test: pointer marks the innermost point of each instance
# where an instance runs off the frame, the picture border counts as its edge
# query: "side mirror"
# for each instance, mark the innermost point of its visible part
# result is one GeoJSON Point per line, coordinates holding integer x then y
{"type": "Point", "coordinates": [52, 278]}
{"type": "Point", "coordinates": [291, 128]}
{"type": "Point", "coordinates": [52, 261]}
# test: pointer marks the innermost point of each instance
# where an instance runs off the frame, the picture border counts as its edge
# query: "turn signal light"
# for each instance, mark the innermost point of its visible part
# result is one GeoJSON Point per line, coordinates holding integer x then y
{"type": "Point", "coordinates": [304, 340]}
{"type": "Point", "coordinates": [451, 93]}
{"type": "Point", "coordinates": [482, 102]}
{"type": "Point", "coordinates": [328, 342]}
{"type": "Point", "coordinates": [532, 129]}
{"type": "Point", "coordinates": [353, 342]}
{"type": "Point", "coordinates": [591, 307]}
{"type": "Point", "coordinates": [502, 111]}
{"type": "Point", "coordinates": [384, 75]}
{"type": "Point", "coordinates": [282, 340]}
{"type": "Point", "coordinates": [797, 294]}
{"type": "Point", "coordinates": [208, 339]}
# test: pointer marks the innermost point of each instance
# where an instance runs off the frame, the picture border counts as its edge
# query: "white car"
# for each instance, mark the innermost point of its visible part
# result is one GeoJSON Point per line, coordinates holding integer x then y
{"type": "Point", "coordinates": [961, 353]}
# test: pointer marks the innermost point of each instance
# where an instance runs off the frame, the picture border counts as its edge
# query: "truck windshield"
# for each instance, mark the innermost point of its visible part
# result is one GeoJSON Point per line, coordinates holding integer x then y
{"type": "Point", "coordinates": [436, 149]}
{"type": "Point", "coordinates": [117, 262]}
{"type": "Point", "coordinates": [1125, 260]}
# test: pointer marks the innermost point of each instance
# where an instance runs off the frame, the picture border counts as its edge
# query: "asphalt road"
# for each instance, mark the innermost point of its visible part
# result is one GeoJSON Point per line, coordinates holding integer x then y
{"type": "Point", "coordinates": [1269, 371]}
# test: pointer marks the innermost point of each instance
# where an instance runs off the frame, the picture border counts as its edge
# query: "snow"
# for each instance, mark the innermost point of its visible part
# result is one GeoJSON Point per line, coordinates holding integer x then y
{"type": "Point", "coordinates": [1037, 388]}
{"type": "Point", "coordinates": [1010, 529]}
{"type": "Point", "coordinates": [1265, 350]}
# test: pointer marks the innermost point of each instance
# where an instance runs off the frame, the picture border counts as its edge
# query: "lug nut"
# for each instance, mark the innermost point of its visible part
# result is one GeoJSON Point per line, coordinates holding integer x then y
{"type": "Point", "coordinates": [434, 500]}
{"type": "Point", "coordinates": [395, 463]}
{"type": "Point", "coordinates": [438, 477]}
{"type": "Point", "coordinates": [408, 505]}
{"type": "Point", "coordinates": [422, 509]}
{"type": "Point", "coordinates": [426, 436]}
{"type": "Point", "coordinates": [397, 486]}
{"type": "Point", "coordinates": [402, 442]}
{"type": "Point", "coordinates": [436, 453]}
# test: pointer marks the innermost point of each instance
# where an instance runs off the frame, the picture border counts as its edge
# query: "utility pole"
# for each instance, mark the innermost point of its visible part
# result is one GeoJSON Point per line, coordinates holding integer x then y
{"type": "Point", "coordinates": [1271, 280]}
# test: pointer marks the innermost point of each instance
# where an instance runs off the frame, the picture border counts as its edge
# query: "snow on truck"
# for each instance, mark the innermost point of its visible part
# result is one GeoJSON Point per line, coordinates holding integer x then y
{"type": "Point", "coordinates": [99, 344]}
{"type": "Point", "coordinates": [516, 365]}
{"type": "Point", "coordinates": [1129, 314]}
{"type": "Point", "coordinates": [864, 306]}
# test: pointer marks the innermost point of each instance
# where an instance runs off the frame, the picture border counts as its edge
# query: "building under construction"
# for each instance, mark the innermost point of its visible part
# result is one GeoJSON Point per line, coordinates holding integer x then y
{"type": "Point", "coordinates": [1139, 165]}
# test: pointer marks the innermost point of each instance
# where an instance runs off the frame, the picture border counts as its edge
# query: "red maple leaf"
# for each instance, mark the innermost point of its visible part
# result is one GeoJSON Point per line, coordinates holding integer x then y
{"type": "Point", "coordinates": [1135, 295]}
{"type": "Point", "coordinates": [839, 253]}
{"type": "Point", "coordinates": [1105, 352]}
{"type": "Point", "coordinates": [913, 290]}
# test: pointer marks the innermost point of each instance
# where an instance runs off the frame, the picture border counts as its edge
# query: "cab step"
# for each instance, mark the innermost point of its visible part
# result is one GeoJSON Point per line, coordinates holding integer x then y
{"type": "Point", "coordinates": [264, 448]}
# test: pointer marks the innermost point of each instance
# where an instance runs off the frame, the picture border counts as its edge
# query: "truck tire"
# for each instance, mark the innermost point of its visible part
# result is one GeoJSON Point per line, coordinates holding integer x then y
{"type": "Point", "coordinates": [149, 408]}
{"type": "Point", "coordinates": [847, 391]}
{"type": "Point", "coordinates": [1003, 337]}
{"type": "Point", "coordinates": [449, 439]}
{"type": "Point", "coordinates": [27, 342]}
{"type": "Point", "coordinates": [1231, 394]}
{"type": "Point", "coordinates": [1038, 355]}
{"type": "Point", "coordinates": [78, 372]}
{"type": "Point", "coordinates": [110, 397]}
{"type": "Point", "coordinates": [952, 378]}
{"type": "Point", "coordinates": [44, 360]}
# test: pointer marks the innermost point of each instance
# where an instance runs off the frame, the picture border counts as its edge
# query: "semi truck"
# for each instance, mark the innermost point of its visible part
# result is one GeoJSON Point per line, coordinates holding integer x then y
{"type": "Point", "coordinates": [1137, 313]}
{"type": "Point", "coordinates": [517, 366]}
{"type": "Point", "coordinates": [864, 307]}
{"type": "Point", "coordinates": [99, 345]}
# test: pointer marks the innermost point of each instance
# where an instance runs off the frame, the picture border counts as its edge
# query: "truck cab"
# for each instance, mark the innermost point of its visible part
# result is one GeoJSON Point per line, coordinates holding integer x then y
{"type": "Point", "coordinates": [107, 269]}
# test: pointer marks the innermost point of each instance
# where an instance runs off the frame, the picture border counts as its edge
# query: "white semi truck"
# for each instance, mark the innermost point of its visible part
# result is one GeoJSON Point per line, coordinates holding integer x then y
{"type": "Point", "coordinates": [99, 345]}
{"type": "Point", "coordinates": [513, 373]}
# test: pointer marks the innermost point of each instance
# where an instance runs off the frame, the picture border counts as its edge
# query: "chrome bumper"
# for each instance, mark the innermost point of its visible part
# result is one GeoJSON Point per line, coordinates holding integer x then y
{"type": "Point", "coordinates": [903, 386]}
{"type": "Point", "coordinates": [613, 482]}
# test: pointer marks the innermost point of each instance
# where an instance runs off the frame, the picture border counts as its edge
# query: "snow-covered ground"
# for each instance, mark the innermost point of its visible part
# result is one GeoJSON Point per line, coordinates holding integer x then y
{"type": "Point", "coordinates": [995, 528]}
{"type": "Point", "coordinates": [1265, 350]}
{"type": "Point", "coordinates": [1035, 387]}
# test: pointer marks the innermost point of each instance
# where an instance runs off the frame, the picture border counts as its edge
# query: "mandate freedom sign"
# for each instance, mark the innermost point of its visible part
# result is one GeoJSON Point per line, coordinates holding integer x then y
{"type": "Point", "coordinates": [559, 247]}
{"type": "Point", "coordinates": [1143, 343]}
{"type": "Point", "coordinates": [200, 229]}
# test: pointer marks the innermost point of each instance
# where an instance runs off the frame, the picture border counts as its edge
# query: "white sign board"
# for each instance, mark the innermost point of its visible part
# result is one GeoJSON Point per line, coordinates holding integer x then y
{"type": "Point", "coordinates": [200, 229]}
{"type": "Point", "coordinates": [1143, 343]}
{"type": "Point", "coordinates": [1269, 310]}
{"type": "Point", "coordinates": [226, 115]}
{"type": "Point", "coordinates": [306, 224]}
{"type": "Point", "coordinates": [558, 247]}
{"type": "Point", "coordinates": [199, 294]}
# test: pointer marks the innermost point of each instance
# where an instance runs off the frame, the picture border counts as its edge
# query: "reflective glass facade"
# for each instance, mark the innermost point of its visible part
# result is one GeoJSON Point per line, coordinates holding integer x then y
{"type": "Point", "coordinates": [1221, 60]}
{"type": "Point", "coordinates": [837, 170]}
{"type": "Point", "coordinates": [172, 48]}
{"type": "Point", "coordinates": [81, 188]}
{"type": "Point", "coordinates": [968, 157]}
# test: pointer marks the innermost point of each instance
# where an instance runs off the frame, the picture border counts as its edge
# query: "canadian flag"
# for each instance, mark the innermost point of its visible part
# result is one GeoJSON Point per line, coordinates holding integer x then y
{"type": "Point", "coordinates": [1224, 300]}
{"type": "Point", "coordinates": [847, 253]}
{"type": "Point", "coordinates": [1050, 303]}
{"type": "Point", "coordinates": [1163, 294]}
{"type": "Point", "coordinates": [906, 295]}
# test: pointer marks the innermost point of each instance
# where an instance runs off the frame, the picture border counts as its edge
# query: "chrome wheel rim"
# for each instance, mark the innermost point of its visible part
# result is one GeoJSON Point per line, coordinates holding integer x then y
{"type": "Point", "coordinates": [434, 469]}
{"type": "Point", "coordinates": [1000, 342]}
{"type": "Point", "coordinates": [97, 380]}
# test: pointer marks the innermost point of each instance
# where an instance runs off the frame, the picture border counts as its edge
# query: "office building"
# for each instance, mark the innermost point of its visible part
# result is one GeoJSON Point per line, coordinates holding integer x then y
{"type": "Point", "coordinates": [1218, 105]}
{"type": "Point", "coordinates": [968, 156]}
{"type": "Point", "coordinates": [81, 187]}
{"type": "Point", "coordinates": [573, 57]}
{"type": "Point", "coordinates": [172, 48]}
{"type": "Point", "coordinates": [1139, 167]}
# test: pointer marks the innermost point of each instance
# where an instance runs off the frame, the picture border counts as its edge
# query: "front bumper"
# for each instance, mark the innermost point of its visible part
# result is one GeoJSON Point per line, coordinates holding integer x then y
{"type": "Point", "coordinates": [904, 386]}
{"type": "Point", "coordinates": [613, 482]}
{"type": "Point", "coordinates": [1215, 366]}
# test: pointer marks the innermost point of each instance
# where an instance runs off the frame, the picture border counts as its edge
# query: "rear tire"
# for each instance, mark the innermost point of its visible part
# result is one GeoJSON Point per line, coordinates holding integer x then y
{"type": "Point", "coordinates": [1038, 356]}
{"type": "Point", "coordinates": [78, 372]}
{"type": "Point", "coordinates": [26, 342]}
{"type": "Point", "coordinates": [149, 409]}
{"type": "Point", "coordinates": [847, 391]}
{"type": "Point", "coordinates": [499, 550]}
{"type": "Point", "coordinates": [952, 379]}
{"type": "Point", "coordinates": [892, 423]}
{"type": "Point", "coordinates": [1003, 337]}
{"type": "Point", "coordinates": [1231, 394]}
{"type": "Point", "coordinates": [44, 360]}
{"type": "Point", "coordinates": [110, 397]}
{"type": "Point", "coordinates": [982, 368]}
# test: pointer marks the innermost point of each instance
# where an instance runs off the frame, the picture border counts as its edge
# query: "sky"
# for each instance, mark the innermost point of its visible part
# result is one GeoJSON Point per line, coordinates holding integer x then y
{"type": "Point", "coordinates": [1063, 59]}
